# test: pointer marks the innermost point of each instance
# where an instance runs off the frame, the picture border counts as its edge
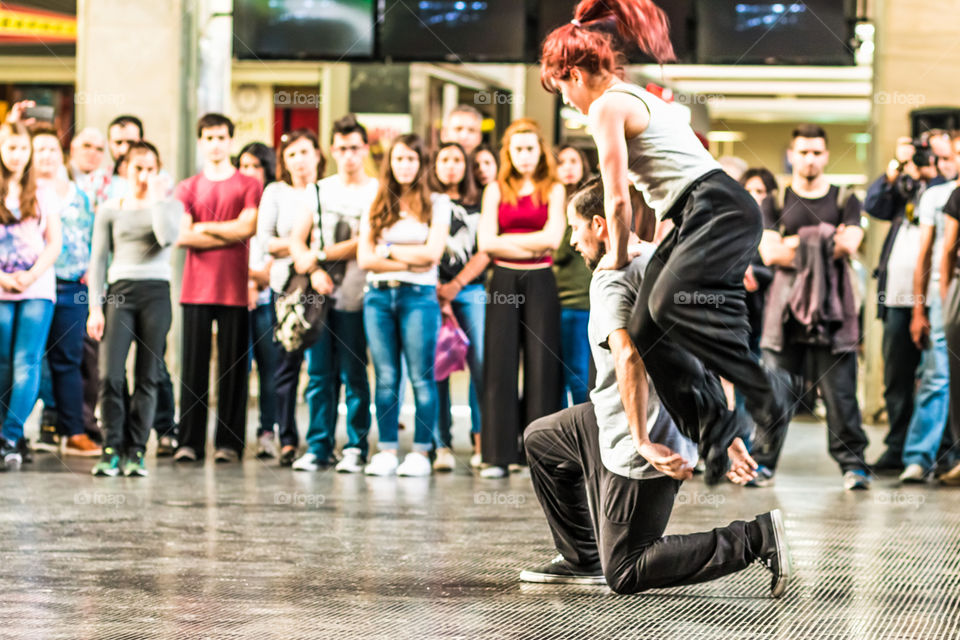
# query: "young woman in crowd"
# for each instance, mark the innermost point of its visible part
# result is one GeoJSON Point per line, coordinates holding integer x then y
{"type": "Point", "coordinates": [521, 225]}
{"type": "Point", "coordinates": [65, 342]}
{"type": "Point", "coordinates": [461, 291]}
{"type": "Point", "coordinates": [258, 161]}
{"type": "Point", "coordinates": [573, 286]}
{"type": "Point", "coordinates": [299, 165]}
{"type": "Point", "coordinates": [29, 245]}
{"type": "Point", "coordinates": [485, 165]}
{"type": "Point", "coordinates": [401, 242]}
{"type": "Point", "coordinates": [133, 235]}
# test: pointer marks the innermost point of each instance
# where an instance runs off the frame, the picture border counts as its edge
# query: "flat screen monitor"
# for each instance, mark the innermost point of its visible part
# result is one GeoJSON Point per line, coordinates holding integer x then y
{"type": "Point", "coordinates": [814, 32]}
{"type": "Point", "coordinates": [304, 29]}
{"type": "Point", "coordinates": [455, 30]}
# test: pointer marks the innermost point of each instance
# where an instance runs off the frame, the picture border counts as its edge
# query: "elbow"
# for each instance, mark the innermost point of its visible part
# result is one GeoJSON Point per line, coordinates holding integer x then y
{"type": "Point", "coordinates": [365, 261]}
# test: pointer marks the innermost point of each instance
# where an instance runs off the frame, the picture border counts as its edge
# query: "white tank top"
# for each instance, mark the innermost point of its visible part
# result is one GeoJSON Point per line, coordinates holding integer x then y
{"type": "Point", "coordinates": [664, 159]}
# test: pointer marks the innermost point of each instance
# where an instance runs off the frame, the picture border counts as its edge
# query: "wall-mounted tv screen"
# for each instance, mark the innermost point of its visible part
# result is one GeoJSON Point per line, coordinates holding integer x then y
{"type": "Point", "coordinates": [815, 32]}
{"type": "Point", "coordinates": [455, 30]}
{"type": "Point", "coordinates": [304, 29]}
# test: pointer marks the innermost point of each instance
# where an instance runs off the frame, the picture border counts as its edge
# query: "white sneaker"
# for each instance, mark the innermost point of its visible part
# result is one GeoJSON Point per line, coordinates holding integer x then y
{"type": "Point", "coordinates": [444, 460]}
{"type": "Point", "coordinates": [382, 464]}
{"type": "Point", "coordinates": [476, 461]}
{"type": "Point", "coordinates": [352, 461]}
{"type": "Point", "coordinates": [267, 446]}
{"type": "Point", "coordinates": [306, 462]}
{"type": "Point", "coordinates": [494, 472]}
{"type": "Point", "coordinates": [415, 465]}
{"type": "Point", "coordinates": [913, 474]}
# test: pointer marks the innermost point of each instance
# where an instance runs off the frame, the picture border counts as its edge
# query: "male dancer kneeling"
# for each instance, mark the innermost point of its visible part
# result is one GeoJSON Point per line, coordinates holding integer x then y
{"type": "Point", "coordinates": [606, 471]}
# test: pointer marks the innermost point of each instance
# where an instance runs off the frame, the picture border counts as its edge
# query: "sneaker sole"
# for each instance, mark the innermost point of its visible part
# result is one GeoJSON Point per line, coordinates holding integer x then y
{"type": "Point", "coordinates": [83, 454]}
{"type": "Point", "coordinates": [549, 578]}
{"type": "Point", "coordinates": [349, 469]}
{"type": "Point", "coordinates": [12, 465]}
{"type": "Point", "coordinates": [106, 474]}
{"type": "Point", "coordinates": [785, 562]}
{"type": "Point", "coordinates": [137, 474]}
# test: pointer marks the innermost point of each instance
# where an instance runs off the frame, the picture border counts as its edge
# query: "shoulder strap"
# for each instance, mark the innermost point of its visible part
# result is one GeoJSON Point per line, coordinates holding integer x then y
{"type": "Point", "coordinates": [316, 186]}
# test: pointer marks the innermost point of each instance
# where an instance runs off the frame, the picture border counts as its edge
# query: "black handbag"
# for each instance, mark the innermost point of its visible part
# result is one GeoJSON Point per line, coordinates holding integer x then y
{"type": "Point", "coordinates": [301, 311]}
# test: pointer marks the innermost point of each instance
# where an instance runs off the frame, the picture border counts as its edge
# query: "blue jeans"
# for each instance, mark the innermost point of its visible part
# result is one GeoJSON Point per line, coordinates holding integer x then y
{"type": "Point", "coordinates": [265, 350]}
{"type": "Point", "coordinates": [933, 396]}
{"type": "Point", "coordinates": [575, 354]}
{"type": "Point", "coordinates": [469, 307]}
{"type": "Point", "coordinates": [403, 321]}
{"type": "Point", "coordinates": [24, 325]}
{"type": "Point", "coordinates": [339, 356]}
{"type": "Point", "coordinates": [65, 355]}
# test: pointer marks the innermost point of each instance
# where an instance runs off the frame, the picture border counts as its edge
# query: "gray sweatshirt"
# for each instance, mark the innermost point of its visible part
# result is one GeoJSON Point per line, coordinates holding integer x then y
{"type": "Point", "coordinates": [137, 243]}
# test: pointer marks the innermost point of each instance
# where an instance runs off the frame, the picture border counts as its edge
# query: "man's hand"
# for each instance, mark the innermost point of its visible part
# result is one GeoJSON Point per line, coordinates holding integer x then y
{"type": "Point", "coordinates": [665, 460]}
{"type": "Point", "coordinates": [749, 280]}
{"type": "Point", "coordinates": [743, 468]}
{"type": "Point", "coordinates": [447, 292]}
{"type": "Point", "coordinates": [920, 327]}
{"type": "Point", "coordinates": [16, 113]}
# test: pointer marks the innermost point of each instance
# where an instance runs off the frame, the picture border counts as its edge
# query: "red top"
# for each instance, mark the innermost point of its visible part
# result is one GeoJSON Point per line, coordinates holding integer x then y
{"type": "Point", "coordinates": [217, 276]}
{"type": "Point", "coordinates": [526, 216]}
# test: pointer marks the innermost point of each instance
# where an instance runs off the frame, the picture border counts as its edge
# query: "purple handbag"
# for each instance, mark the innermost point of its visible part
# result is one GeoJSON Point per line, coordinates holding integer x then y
{"type": "Point", "coordinates": [451, 353]}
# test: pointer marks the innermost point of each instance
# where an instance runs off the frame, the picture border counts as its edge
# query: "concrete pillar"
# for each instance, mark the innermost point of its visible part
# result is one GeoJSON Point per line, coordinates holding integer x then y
{"type": "Point", "coordinates": [915, 65]}
{"type": "Point", "coordinates": [136, 57]}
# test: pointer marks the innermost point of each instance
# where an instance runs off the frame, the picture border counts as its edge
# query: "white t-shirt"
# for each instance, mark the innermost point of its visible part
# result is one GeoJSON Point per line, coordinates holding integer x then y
{"type": "Point", "coordinates": [343, 207]}
{"type": "Point", "coordinates": [930, 213]}
{"type": "Point", "coordinates": [410, 230]}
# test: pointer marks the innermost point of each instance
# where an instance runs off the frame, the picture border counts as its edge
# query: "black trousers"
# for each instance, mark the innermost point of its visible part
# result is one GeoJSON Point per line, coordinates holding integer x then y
{"type": "Point", "coordinates": [287, 385]}
{"type": "Point", "coordinates": [900, 361]}
{"type": "Point", "coordinates": [836, 377]}
{"type": "Point", "coordinates": [233, 342]}
{"type": "Point", "coordinates": [140, 314]}
{"type": "Point", "coordinates": [597, 515]}
{"type": "Point", "coordinates": [523, 314]}
{"type": "Point", "coordinates": [690, 318]}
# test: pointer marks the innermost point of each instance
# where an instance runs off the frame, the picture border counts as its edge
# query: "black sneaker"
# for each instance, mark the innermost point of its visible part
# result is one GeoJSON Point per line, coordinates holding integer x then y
{"type": "Point", "coordinates": [776, 557]}
{"type": "Point", "coordinates": [23, 444]}
{"type": "Point", "coordinates": [890, 463]}
{"type": "Point", "coordinates": [559, 571]}
{"type": "Point", "coordinates": [49, 439]}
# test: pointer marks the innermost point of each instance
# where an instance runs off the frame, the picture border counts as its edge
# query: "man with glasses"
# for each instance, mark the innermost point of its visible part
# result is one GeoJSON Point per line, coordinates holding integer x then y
{"type": "Point", "coordinates": [340, 354]}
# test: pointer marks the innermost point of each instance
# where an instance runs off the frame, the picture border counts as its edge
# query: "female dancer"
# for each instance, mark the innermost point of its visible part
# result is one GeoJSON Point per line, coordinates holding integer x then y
{"type": "Point", "coordinates": [690, 311]}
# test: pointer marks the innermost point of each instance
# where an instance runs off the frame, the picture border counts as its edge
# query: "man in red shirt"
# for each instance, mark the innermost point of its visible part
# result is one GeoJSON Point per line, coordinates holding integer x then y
{"type": "Point", "coordinates": [221, 215]}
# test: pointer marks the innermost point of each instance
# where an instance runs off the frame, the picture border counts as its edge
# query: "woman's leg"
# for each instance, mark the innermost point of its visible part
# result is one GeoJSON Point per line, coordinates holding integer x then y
{"type": "Point", "coordinates": [419, 324]}
{"type": "Point", "coordinates": [500, 411]}
{"type": "Point", "coordinates": [31, 325]}
{"type": "Point", "coordinates": [154, 316]}
{"type": "Point", "coordinates": [381, 324]}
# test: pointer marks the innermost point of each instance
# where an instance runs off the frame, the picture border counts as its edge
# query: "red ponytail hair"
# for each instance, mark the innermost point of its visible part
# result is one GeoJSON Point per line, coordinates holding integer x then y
{"type": "Point", "coordinates": [576, 44]}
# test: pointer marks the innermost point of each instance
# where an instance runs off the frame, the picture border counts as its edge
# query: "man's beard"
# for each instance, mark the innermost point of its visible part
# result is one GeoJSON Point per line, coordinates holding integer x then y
{"type": "Point", "coordinates": [594, 261]}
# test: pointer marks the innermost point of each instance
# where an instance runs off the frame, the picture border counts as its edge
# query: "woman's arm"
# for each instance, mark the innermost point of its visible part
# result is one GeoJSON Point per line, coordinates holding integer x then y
{"type": "Point", "coordinates": [166, 216]}
{"type": "Point", "coordinates": [489, 238]}
{"type": "Point", "coordinates": [368, 259]}
{"type": "Point", "coordinates": [608, 117]}
{"type": "Point", "coordinates": [548, 238]}
{"type": "Point", "coordinates": [948, 259]}
{"type": "Point", "coordinates": [51, 250]}
{"type": "Point", "coordinates": [776, 250]}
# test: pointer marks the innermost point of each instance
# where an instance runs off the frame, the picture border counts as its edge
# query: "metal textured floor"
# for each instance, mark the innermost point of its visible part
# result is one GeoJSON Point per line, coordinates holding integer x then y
{"type": "Point", "coordinates": [255, 551]}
